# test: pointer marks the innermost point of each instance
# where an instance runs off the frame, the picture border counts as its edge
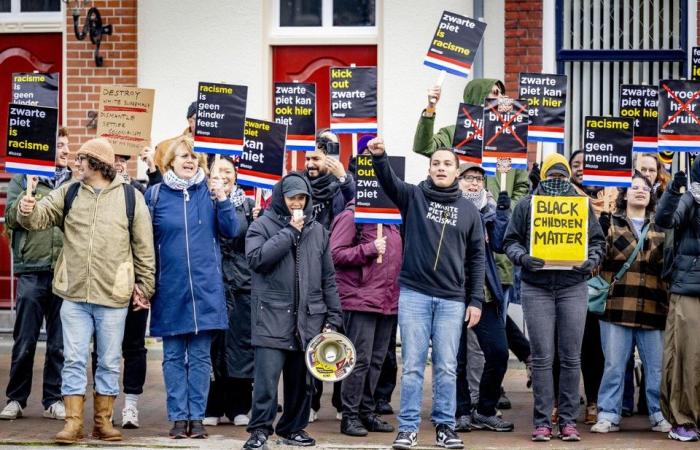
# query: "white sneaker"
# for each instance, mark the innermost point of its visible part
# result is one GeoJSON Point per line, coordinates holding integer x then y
{"type": "Point", "coordinates": [11, 411]}
{"type": "Point", "coordinates": [313, 416]}
{"type": "Point", "coordinates": [241, 420]}
{"type": "Point", "coordinates": [662, 426]}
{"type": "Point", "coordinates": [210, 421]}
{"type": "Point", "coordinates": [56, 411]}
{"type": "Point", "coordinates": [604, 426]}
{"type": "Point", "coordinates": [338, 416]}
{"type": "Point", "coordinates": [130, 418]}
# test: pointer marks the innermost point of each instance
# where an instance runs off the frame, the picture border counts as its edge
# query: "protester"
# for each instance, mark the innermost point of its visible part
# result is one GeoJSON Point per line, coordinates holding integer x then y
{"type": "Point", "coordinates": [649, 165]}
{"type": "Point", "coordinates": [387, 377]}
{"type": "Point", "coordinates": [490, 331]}
{"type": "Point", "coordinates": [560, 295]}
{"type": "Point", "coordinates": [189, 303]}
{"type": "Point", "coordinates": [154, 176]}
{"type": "Point", "coordinates": [34, 255]}
{"type": "Point", "coordinates": [162, 148]}
{"type": "Point", "coordinates": [294, 299]}
{"type": "Point", "coordinates": [107, 259]}
{"type": "Point", "coordinates": [637, 305]}
{"type": "Point", "coordinates": [680, 382]}
{"type": "Point", "coordinates": [441, 286]}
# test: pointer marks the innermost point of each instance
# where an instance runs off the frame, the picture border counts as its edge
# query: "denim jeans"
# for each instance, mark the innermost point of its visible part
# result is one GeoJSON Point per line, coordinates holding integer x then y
{"type": "Point", "coordinates": [80, 321]}
{"type": "Point", "coordinates": [545, 310]}
{"type": "Point", "coordinates": [186, 371]}
{"type": "Point", "coordinates": [423, 318]}
{"type": "Point", "coordinates": [618, 342]}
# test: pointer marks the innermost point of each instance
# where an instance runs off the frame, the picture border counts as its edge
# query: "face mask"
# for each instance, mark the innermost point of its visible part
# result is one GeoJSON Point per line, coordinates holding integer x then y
{"type": "Point", "coordinates": [555, 186]}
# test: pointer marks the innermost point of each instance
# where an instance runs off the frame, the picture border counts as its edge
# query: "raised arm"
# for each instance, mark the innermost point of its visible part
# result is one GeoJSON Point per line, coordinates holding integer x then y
{"type": "Point", "coordinates": [46, 213]}
{"type": "Point", "coordinates": [396, 189]}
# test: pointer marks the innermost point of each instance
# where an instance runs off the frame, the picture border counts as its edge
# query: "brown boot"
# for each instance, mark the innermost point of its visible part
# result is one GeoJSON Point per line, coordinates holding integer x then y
{"type": "Point", "coordinates": [73, 428]}
{"type": "Point", "coordinates": [103, 424]}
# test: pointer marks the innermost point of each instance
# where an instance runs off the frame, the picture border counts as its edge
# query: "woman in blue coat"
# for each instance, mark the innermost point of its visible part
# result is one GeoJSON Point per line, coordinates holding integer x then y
{"type": "Point", "coordinates": [189, 302]}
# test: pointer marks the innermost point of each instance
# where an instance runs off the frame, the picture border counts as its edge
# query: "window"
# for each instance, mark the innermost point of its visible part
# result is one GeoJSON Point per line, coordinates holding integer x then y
{"type": "Point", "coordinates": [353, 13]}
{"type": "Point", "coordinates": [40, 5]}
{"type": "Point", "coordinates": [324, 18]}
{"type": "Point", "coordinates": [300, 13]}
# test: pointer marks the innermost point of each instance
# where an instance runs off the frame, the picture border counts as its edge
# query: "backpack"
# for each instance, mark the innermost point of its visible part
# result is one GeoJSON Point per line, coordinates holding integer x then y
{"type": "Point", "coordinates": [155, 190]}
{"type": "Point", "coordinates": [129, 199]}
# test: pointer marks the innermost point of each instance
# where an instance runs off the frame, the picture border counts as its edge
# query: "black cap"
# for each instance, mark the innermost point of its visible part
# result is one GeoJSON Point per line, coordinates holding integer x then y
{"type": "Point", "coordinates": [294, 185]}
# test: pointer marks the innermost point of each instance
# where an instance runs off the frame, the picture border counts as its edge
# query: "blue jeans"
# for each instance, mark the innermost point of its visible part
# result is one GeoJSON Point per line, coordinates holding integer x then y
{"type": "Point", "coordinates": [423, 318]}
{"type": "Point", "coordinates": [186, 370]}
{"type": "Point", "coordinates": [618, 342]}
{"type": "Point", "coordinates": [80, 321]}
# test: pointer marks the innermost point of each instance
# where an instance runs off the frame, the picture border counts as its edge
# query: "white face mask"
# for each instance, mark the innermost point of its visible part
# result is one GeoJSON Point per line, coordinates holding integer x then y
{"type": "Point", "coordinates": [478, 198]}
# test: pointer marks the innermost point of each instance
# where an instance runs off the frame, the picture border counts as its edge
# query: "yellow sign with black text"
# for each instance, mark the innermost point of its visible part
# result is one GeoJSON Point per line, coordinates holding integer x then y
{"type": "Point", "coordinates": [559, 230]}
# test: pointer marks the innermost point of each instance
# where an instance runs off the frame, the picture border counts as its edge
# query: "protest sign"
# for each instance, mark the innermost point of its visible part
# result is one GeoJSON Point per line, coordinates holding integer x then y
{"type": "Point", "coordinates": [220, 118]}
{"type": "Point", "coordinates": [37, 89]}
{"type": "Point", "coordinates": [559, 230]}
{"type": "Point", "coordinates": [31, 140]}
{"type": "Point", "coordinates": [124, 118]}
{"type": "Point", "coordinates": [295, 107]}
{"type": "Point", "coordinates": [468, 138]}
{"type": "Point", "coordinates": [695, 64]}
{"type": "Point", "coordinates": [607, 151]}
{"type": "Point", "coordinates": [353, 99]}
{"type": "Point", "coordinates": [639, 102]}
{"type": "Point", "coordinates": [262, 161]}
{"type": "Point", "coordinates": [454, 44]}
{"type": "Point", "coordinates": [679, 124]}
{"type": "Point", "coordinates": [546, 97]}
{"type": "Point", "coordinates": [371, 202]}
{"type": "Point", "coordinates": [505, 133]}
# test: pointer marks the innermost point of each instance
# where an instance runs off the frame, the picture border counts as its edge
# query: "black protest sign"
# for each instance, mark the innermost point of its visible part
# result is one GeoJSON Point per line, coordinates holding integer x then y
{"type": "Point", "coordinates": [695, 64]}
{"type": "Point", "coordinates": [454, 44]}
{"type": "Point", "coordinates": [220, 118]}
{"type": "Point", "coordinates": [372, 205]}
{"type": "Point", "coordinates": [262, 162]}
{"type": "Point", "coordinates": [467, 141]}
{"type": "Point", "coordinates": [546, 97]}
{"type": "Point", "coordinates": [31, 139]}
{"type": "Point", "coordinates": [679, 115]}
{"type": "Point", "coordinates": [607, 151]}
{"type": "Point", "coordinates": [295, 106]}
{"type": "Point", "coordinates": [37, 89]}
{"type": "Point", "coordinates": [639, 102]}
{"type": "Point", "coordinates": [353, 99]}
{"type": "Point", "coordinates": [505, 132]}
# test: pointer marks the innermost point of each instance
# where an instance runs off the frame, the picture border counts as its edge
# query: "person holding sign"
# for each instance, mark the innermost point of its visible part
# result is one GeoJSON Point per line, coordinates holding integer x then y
{"type": "Point", "coordinates": [441, 286]}
{"type": "Point", "coordinates": [555, 299]}
{"type": "Point", "coordinates": [294, 299]}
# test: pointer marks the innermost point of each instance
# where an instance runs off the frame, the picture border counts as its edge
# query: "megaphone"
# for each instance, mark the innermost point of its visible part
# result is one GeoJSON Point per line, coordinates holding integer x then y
{"type": "Point", "coordinates": [330, 356]}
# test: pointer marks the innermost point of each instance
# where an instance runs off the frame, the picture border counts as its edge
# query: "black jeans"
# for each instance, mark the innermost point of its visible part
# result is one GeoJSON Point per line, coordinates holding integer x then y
{"type": "Point", "coordinates": [229, 396]}
{"type": "Point", "coordinates": [517, 342]}
{"type": "Point", "coordinates": [387, 377]}
{"type": "Point", "coordinates": [35, 301]}
{"type": "Point", "coordinates": [491, 334]}
{"type": "Point", "coordinates": [269, 364]}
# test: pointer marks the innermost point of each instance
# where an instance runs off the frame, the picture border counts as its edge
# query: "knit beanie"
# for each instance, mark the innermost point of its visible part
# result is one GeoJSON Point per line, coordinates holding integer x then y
{"type": "Point", "coordinates": [99, 149]}
{"type": "Point", "coordinates": [555, 163]}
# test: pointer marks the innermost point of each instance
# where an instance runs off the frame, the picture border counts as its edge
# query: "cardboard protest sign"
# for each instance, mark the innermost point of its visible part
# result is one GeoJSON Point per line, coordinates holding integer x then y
{"type": "Point", "coordinates": [679, 124]}
{"type": "Point", "coordinates": [31, 140]}
{"type": "Point", "coordinates": [124, 118]}
{"type": "Point", "coordinates": [468, 138]}
{"type": "Point", "coordinates": [639, 102]}
{"type": "Point", "coordinates": [371, 203]}
{"type": "Point", "coordinates": [295, 106]}
{"type": "Point", "coordinates": [505, 133]}
{"type": "Point", "coordinates": [695, 64]}
{"type": "Point", "coordinates": [559, 230]}
{"type": "Point", "coordinates": [220, 118]}
{"type": "Point", "coordinates": [607, 151]}
{"type": "Point", "coordinates": [37, 89]}
{"type": "Point", "coordinates": [262, 161]}
{"type": "Point", "coordinates": [454, 44]}
{"type": "Point", "coordinates": [353, 99]}
{"type": "Point", "coordinates": [546, 97]}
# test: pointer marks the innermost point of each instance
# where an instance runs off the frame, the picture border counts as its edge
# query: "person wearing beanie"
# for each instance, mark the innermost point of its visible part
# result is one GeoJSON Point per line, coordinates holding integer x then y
{"type": "Point", "coordinates": [107, 262]}
{"type": "Point", "coordinates": [553, 300]}
{"type": "Point", "coordinates": [163, 146]}
{"type": "Point", "coordinates": [294, 299]}
{"type": "Point", "coordinates": [680, 381]}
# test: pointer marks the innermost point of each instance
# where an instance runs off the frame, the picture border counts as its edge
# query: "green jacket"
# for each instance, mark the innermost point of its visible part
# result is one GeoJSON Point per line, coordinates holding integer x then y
{"type": "Point", "coordinates": [32, 251]}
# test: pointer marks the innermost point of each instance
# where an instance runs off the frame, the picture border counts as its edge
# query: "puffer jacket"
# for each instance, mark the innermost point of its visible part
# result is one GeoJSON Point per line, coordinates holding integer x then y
{"type": "Point", "coordinates": [234, 263]}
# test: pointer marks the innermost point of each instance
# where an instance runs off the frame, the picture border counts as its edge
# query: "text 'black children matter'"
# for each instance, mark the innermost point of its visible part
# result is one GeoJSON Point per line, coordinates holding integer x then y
{"type": "Point", "coordinates": [36, 89]}
{"type": "Point", "coordinates": [469, 132]}
{"type": "Point", "coordinates": [546, 97]}
{"type": "Point", "coordinates": [262, 161]}
{"type": "Point", "coordinates": [372, 205]}
{"type": "Point", "coordinates": [31, 140]}
{"type": "Point", "coordinates": [607, 151]}
{"type": "Point", "coordinates": [679, 116]}
{"type": "Point", "coordinates": [353, 99]}
{"type": "Point", "coordinates": [639, 102]}
{"type": "Point", "coordinates": [454, 44]}
{"type": "Point", "coordinates": [220, 118]}
{"type": "Point", "coordinates": [295, 106]}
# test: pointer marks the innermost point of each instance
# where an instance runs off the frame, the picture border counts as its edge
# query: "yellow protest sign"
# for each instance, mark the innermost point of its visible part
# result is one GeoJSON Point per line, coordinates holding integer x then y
{"type": "Point", "coordinates": [559, 230]}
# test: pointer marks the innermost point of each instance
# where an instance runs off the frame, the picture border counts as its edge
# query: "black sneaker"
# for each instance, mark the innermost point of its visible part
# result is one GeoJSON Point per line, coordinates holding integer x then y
{"type": "Point", "coordinates": [383, 408]}
{"type": "Point", "coordinates": [179, 430]}
{"type": "Point", "coordinates": [352, 426]}
{"type": "Point", "coordinates": [375, 424]}
{"type": "Point", "coordinates": [503, 401]}
{"type": "Point", "coordinates": [256, 441]}
{"type": "Point", "coordinates": [446, 437]}
{"type": "Point", "coordinates": [464, 424]}
{"type": "Point", "coordinates": [298, 439]}
{"type": "Point", "coordinates": [197, 430]}
{"type": "Point", "coordinates": [405, 440]}
{"type": "Point", "coordinates": [492, 423]}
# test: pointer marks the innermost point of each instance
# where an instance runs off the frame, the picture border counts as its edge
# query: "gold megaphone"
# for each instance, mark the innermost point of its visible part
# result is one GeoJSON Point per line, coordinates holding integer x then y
{"type": "Point", "coordinates": [330, 356]}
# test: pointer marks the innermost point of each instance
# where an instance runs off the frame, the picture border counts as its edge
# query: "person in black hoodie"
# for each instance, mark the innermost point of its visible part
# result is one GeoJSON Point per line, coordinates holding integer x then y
{"type": "Point", "coordinates": [441, 286]}
{"type": "Point", "coordinates": [294, 298]}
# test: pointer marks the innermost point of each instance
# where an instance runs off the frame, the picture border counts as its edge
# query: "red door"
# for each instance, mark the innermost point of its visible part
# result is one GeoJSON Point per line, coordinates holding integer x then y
{"type": "Point", "coordinates": [310, 64]}
{"type": "Point", "coordinates": [24, 52]}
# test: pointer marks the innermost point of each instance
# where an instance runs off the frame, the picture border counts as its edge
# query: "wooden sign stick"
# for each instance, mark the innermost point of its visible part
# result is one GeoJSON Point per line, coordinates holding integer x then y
{"type": "Point", "coordinates": [30, 181]}
{"type": "Point", "coordinates": [379, 236]}
{"type": "Point", "coordinates": [258, 197]}
{"type": "Point", "coordinates": [682, 165]}
{"type": "Point", "coordinates": [538, 153]}
{"type": "Point", "coordinates": [440, 80]}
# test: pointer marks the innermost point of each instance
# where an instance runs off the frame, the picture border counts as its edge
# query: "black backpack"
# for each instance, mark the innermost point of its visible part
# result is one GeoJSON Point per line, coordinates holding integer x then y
{"type": "Point", "coordinates": [129, 198]}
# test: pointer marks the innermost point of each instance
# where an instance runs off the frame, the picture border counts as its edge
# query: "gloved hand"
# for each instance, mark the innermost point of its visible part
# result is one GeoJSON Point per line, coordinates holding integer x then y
{"type": "Point", "coordinates": [680, 179]}
{"type": "Point", "coordinates": [604, 222]}
{"type": "Point", "coordinates": [585, 268]}
{"type": "Point", "coordinates": [503, 202]}
{"type": "Point", "coordinates": [531, 263]}
{"type": "Point", "coordinates": [534, 176]}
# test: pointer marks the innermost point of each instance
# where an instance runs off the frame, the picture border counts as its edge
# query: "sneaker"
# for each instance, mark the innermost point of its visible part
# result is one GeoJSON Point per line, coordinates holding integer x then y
{"type": "Point", "coordinates": [256, 441]}
{"type": "Point", "coordinates": [683, 434]}
{"type": "Point", "coordinates": [662, 426]}
{"type": "Point", "coordinates": [569, 433]}
{"type": "Point", "coordinates": [197, 430]}
{"type": "Point", "coordinates": [542, 434]}
{"type": "Point", "coordinates": [405, 440]}
{"type": "Point", "coordinates": [503, 401]}
{"type": "Point", "coordinates": [11, 411]}
{"type": "Point", "coordinates": [130, 418]}
{"type": "Point", "coordinates": [298, 439]}
{"type": "Point", "coordinates": [383, 408]}
{"type": "Point", "coordinates": [338, 416]}
{"type": "Point", "coordinates": [179, 430]}
{"type": "Point", "coordinates": [56, 411]}
{"type": "Point", "coordinates": [446, 437]}
{"type": "Point", "coordinates": [211, 421]}
{"type": "Point", "coordinates": [463, 424]}
{"type": "Point", "coordinates": [313, 416]}
{"type": "Point", "coordinates": [492, 423]}
{"type": "Point", "coordinates": [375, 424]}
{"type": "Point", "coordinates": [591, 414]}
{"type": "Point", "coordinates": [241, 420]}
{"type": "Point", "coordinates": [351, 426]}
{"type": "Point", "coordinates": [604, 426]}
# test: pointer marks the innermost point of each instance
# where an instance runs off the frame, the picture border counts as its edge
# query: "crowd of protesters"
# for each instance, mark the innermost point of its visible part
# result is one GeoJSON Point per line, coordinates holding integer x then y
{"type": "Point", "coordinates": [237, 290]}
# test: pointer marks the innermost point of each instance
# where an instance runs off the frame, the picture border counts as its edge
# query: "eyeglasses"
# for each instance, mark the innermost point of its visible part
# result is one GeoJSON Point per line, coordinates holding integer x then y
{"type": "Point", "coordinates": [640, 188]}
{"type": "Point", "coordinates": [471, 178]}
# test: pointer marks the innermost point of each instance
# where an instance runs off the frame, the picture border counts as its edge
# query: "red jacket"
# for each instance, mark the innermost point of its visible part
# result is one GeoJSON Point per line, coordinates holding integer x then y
{"type": "Point", "coordinates": [363, 284]}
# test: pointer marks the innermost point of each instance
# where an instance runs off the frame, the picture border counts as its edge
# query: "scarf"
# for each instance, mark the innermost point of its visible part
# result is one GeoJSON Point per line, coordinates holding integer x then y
{"type": "Point", "coordinates": [478, 198]}
{"type": "Point", "coordinates": [438, 194]}
{"type": "Point", "coordinates": [695, 190]}
{"type": "Point", "coordinates": [322, 188]}
{"type": "Point", "coordinates": [176, 183]}
{"type": "Point", "coordinates": [555, 186]}
{"type": "Point", "coordinates": [62, 174]}
{"type": "Point", "coordinates": [237, 197]}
